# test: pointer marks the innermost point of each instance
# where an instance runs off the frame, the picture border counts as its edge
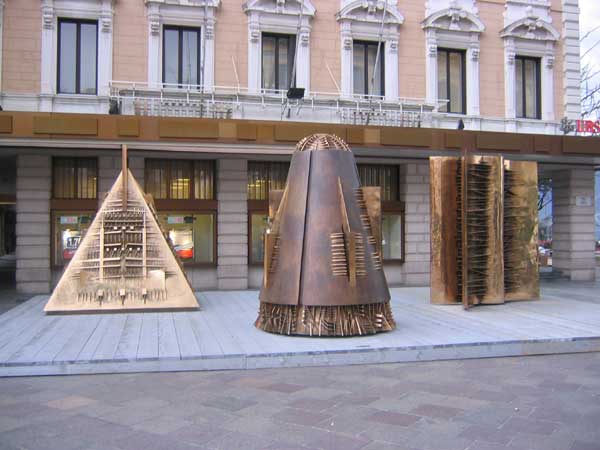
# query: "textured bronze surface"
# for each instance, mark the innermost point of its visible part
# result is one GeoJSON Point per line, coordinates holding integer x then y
{"type": "Point", "coordinates": [483, 230]}
{"type": "Point", "coordinates": [323, 268]}
{"type": "Point", "coordinates": [521, 280]}
{"type": "Point", "coordinates": [124, 262]}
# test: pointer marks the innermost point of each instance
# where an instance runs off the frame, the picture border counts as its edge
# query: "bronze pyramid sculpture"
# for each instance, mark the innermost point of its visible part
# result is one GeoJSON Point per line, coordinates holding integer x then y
{"type": "Point", "coordinates": [125, 262]}
{"type": "Point", "coordinates": [323, 272]}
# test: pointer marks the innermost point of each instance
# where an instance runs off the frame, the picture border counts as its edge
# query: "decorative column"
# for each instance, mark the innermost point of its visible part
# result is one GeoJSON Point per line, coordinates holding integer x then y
{"type": "Point", "coordinates": [254, 56]}
{"type": "Point", "coordinates": [208, 35]}
{"type": "Point", "coordinates": [510, 101]}
{"type": "Point", "coordinates": [105, 40]}
{"type": "Point", "coordinates": [473, 80]}
{"type": "Point", "coordinates": [48, 56]}
{"type": "Point", "coordinates": [303, 59]}
{"type": "Point", "coordinates": [547, 81]}
{"type": "Point", "coordinates": [154, 26]}
{"type": "Point", "coordinates": [347, 81]}
{"type": "Point", "coordinates": [431, 75]}
{"type": "Point", "coordinates": [391, 70]}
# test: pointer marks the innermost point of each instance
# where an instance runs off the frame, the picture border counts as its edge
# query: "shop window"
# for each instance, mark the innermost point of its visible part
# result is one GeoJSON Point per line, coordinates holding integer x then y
{"type": "Point", "coordinates": [392, 233]}
{"type": "Point", "coordinates": [180, 179]}
{"type": "Point", "coordinates": [527, 83]}
{"type": "Point", "coordinates": [193, 235]}
{"type": "Point", "coordinates": [364, 55]}
{"type": "Point", "coordinates": [262, 178]}
{"type": "Point", "coordinates": [277, 60]}
{"type": "Point", "coordinates": [392, 209]}
{"type": "Point", "coordinates": [77, 56]}
{"type": "Point", "coordinates": [68, 230]}
{"type": "Point", "coordinates": [384, 176]}
{"type": "Point", "coordinates": [452, 80]}
{"type": "Point", "coordinates": [74, 178]}
{"type": "Point", "coordinates": [181, 55]}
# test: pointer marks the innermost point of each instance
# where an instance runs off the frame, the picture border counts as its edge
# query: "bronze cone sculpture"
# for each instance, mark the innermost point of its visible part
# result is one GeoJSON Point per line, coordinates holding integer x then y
{"type": "Point", "coordinates": [125, 262]}
{"type": "Point", "coordinates": [483, 230]}
{"type": "Point", "coordinates": [323, 272]}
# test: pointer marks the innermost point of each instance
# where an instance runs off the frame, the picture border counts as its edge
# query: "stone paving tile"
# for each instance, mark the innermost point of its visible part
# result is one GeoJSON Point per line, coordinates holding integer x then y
{"type": "Point", "coordinates": [227, 403]}
{"type": "Point", "coordinates": [236, 440]}
{"type": "Point", "coordinates": [161, 424]}
{"type": "Point", "coordinates": [310, 404]}
{"type": "Point", "coordinates": [393, 418]}
{"type": "Point", "coordinates": [300, 416]}
{"type": "Point", "coordinates": [401, 406]}
{"type": "Point", "coordinates": [70, 402]}
{"type": "Point", "coordinates": [437, 411]}
{"type": "Point", "coordinates": [486, 434]}
{"type": "Point", "coordinates": [287, 388]}
{"type": "Point", "coordinates": [580, 445]}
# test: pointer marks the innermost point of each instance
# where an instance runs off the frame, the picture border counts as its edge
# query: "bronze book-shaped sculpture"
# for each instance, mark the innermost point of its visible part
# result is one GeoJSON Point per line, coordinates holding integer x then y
{"type": "Point", "coordinates": [483, 230]}
{"type": "Point", "coordinates": [323, 271]}
{"type": "Point", "coordinates": [125, 262]}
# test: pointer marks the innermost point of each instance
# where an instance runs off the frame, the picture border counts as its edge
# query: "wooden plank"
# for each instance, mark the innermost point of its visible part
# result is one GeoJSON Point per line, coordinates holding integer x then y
{"type": "Point", "coordinates": [20, 321]}
{"type": "Point", "coordinates": [38, 341]}
{"type": "Point", "coordinates": [72, 349]}
{"type": "Point", "coordinates": [148, 345]}
{"type": "Point", "coordinates": [130, 338]}
{"type": "Point", "coordinates": [208, 342]}
{"type": "Point", "coordinates": [110, 340]}
{"type": "Point", "coordinates": [24, 336]}
{"type": "Point", "coordinates": [168, 346]}
{"type": "Point", "coordinates": [186, 338]}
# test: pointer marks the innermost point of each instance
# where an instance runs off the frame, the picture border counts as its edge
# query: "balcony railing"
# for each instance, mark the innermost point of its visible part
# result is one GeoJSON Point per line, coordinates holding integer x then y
{"type": "Point", "coordinates": [239, 102]}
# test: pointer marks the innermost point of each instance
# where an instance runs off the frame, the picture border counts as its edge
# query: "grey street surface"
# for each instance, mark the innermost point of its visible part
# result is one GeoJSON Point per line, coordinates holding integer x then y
{"type": "Point", "coordinates": [536, 402]}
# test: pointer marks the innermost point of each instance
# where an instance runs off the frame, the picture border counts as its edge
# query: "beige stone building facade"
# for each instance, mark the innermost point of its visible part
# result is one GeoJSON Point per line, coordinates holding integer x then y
{"type": "Point", "coordinates": [186, 83]}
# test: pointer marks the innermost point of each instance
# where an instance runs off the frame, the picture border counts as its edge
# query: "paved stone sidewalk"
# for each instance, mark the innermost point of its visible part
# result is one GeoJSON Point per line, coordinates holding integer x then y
{"type": "Point", "coordinates": [537, 403]}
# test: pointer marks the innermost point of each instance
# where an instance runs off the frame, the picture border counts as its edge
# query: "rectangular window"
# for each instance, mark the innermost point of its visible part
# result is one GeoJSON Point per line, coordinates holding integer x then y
{"type": "Point", "coordinates": [392, 230]}
{"type": "Point", "coordinates": [191, 234]}
{"type": "Point", "coordinates": [452, 80]}
{"type": "Point", "coordinates": [181, 55]}
{"type": "Point", "coordinates": [77, 56]}
{"type": "Point", "coordinates": [180, 179]}
{"type": "Point", "coordinates": [384, 176]}
{"type": "Point", "coordinates": [69, 229]}
{"type": "Point", "coordinates": [262, 178]}
{"type": "Point", "coordinates": [527, 82]}
{"type": "Point", "coordinates": [364, 55]}
{"type": "Point", "coordinates": [74, 178]}
{"type": "Point", "coordinates": [277, 60]}
{"type": "Point", "coordinates": [392, 210]}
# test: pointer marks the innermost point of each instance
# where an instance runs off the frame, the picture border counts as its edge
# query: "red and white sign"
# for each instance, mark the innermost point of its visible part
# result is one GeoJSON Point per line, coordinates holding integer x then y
{"type": "Point", "coordinates": [588, 126]}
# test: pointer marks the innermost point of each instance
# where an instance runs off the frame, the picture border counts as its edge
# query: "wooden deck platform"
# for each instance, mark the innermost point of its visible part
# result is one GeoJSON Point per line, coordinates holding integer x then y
{"type": "Point", "coordinates": [222, 335]}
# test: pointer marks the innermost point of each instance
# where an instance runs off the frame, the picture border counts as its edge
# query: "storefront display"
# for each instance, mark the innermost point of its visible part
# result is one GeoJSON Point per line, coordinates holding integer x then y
{"type": "Point", "coordinates": [192, 235]}
{"type": "Point", "coordinates": [69, 230]}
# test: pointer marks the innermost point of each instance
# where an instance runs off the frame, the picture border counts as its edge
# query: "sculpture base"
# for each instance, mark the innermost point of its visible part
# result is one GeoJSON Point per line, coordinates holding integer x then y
{"type": "Point", "coordinates": [347, 320]}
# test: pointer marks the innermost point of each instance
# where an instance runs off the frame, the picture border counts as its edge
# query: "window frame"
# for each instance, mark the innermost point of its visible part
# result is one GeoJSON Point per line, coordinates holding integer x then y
{"type": "Point", "coordinates": [77, 200]}
{"type": "Point", "coordinates": [291, 46]}
{"type": "Point", "coordinates": [259, 206]}
{"type": "Point", "coordinates": [54, 212]}
{"type": "Point", "coordinates": [391, 207]}
{"type": "Point", "coordinates": [191, 206]}
{"type": "Point", "coordinates": [182, 204]}
{"type": "Point", "coordinates": [180, 29]}
{"type": "Point", "coordinates": [538, 86]}
{"type": "Point", "coordinates": [78, 23]}
{"type": "Point", "coordinates": [195, 212]}
{"type": "Point", "coordinates": [366, 44]}
{"type": "Point", "coordinates": [463, 102]}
